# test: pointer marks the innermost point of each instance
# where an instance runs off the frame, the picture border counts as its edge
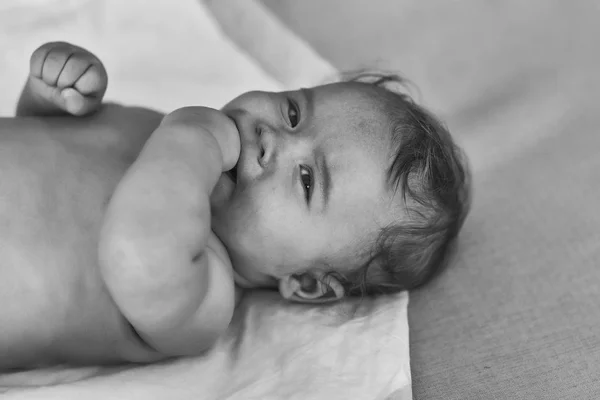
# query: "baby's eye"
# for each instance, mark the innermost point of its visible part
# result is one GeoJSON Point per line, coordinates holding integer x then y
{"type": "Point", "coordinates": [293, 113]}
{"type": "Point", "coordinates": [307, 181]}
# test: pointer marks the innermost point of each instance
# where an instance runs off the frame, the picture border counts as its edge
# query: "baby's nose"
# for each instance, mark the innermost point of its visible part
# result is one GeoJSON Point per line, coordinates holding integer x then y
{"type": "Point", "coordinates": [267, 144]}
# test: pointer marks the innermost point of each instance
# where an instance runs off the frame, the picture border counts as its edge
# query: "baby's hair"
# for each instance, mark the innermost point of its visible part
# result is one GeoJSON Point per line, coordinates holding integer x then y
{"type": "Point", "coordinates": [432, 176]}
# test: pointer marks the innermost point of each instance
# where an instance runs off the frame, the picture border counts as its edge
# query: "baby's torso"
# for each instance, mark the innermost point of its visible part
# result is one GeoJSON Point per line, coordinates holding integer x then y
{"type": "Point", "coordinates": [56, 177]}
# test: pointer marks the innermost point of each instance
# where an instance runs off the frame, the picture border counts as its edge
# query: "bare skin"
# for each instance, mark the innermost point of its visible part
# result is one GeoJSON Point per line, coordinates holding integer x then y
{"type": "Point", "coordinates": [53, 202]}
{"type": "Point", "coordinates": [120, 226]}
{"type": "Point", "coordinates": [64, 297]}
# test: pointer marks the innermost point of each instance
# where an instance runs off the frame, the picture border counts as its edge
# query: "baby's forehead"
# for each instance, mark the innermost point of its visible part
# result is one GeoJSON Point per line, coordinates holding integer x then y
{"type": "Point", "coordinates": [353, 111]}
{"type": "Point", "coordinates": [350, 105]}
{"type": "Point", "coordinates": [350, 93]}
{"type": "Point", "coordinates": [365, 127]}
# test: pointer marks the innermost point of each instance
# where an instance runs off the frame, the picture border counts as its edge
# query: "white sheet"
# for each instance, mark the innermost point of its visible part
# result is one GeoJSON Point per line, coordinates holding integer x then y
{"type": "Point", "coordinates": [272, 351]}
{"type": "Point", "coordinates": [158, 53]}
{"type": "Point", "coordinates": [166, 54]}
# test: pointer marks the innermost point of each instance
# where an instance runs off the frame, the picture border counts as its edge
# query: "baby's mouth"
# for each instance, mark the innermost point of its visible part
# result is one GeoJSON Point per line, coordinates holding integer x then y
{"type": "Point", "coordinates": [232, 173]}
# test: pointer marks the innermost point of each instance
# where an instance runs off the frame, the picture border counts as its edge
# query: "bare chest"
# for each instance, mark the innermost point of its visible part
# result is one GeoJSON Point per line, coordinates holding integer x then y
{"type": "Point", "coordinates": [57, 175]}
{"type": "Point", "coordinates": [56, 178]}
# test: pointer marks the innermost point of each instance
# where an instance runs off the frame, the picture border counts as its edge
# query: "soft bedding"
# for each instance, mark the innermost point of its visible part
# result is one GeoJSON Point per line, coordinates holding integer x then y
{"type": "Point", "coordinates": [517, 316]}
{"type": "Point", "coordinates": [165, 55]}
{"type": "Point", "coordinates": [272, 351]}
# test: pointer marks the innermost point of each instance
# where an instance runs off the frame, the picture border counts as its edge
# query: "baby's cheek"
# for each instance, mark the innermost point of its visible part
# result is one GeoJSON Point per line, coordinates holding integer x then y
{"type": "Point", "coordinates": [255, 221]}
{"type": "Point", "coordinates": [222, 192]}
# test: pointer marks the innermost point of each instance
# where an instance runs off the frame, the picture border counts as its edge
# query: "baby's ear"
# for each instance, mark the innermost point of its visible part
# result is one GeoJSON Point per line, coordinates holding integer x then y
{"type": "Point", "coordinates": [311, 288]}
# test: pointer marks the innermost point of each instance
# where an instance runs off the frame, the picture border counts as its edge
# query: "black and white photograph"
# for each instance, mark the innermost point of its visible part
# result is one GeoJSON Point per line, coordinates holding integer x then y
{"type": "Point", "coordinates": [299, 200]}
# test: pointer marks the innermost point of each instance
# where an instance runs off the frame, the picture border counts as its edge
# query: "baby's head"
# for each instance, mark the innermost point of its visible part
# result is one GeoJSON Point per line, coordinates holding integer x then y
{"type": "Point", "coordinates": [341, 190]}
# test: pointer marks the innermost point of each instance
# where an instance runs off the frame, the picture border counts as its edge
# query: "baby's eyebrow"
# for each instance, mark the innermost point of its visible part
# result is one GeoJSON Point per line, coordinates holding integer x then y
{"type": "Point", "coordinates": [308, 101]}
{"type": "Point", "coordinates": [326, 178]}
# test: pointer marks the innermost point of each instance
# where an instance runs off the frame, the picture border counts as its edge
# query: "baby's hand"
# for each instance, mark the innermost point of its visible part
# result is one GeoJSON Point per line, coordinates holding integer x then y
{"type": "Point", "coordinates": [214, 121]}
{"type": "Point", "coordinates": [165, 269]}
{"type": "Point", "coordinates": [68, 76]}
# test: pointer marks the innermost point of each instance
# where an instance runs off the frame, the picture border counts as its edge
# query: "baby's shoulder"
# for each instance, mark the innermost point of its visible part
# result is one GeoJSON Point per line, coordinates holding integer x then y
{"type": "Point", "coordinates": [126, 126]}
{"type": "Point", "coordinates": [124, 114]}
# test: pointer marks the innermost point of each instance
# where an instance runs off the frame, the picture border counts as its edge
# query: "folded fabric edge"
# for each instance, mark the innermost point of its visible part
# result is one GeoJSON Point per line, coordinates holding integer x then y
{"type": "Point", "coordinates": [280, 52]}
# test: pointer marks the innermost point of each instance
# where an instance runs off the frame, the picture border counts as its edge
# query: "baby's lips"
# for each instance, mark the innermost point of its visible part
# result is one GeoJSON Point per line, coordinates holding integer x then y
{"type": "Point", "coordinates": [232, 147]}
{"type": "Point", "coordinates": [228, 138]}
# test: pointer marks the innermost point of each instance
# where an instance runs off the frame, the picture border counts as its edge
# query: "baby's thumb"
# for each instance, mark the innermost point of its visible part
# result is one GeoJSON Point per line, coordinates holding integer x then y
{"type": "Point", "coordinates": [77, 104]}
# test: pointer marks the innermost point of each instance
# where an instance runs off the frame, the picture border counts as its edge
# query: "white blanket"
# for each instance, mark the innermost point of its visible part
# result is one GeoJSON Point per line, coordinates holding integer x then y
{"type": "Point", "coordinates": [272, 350]}
{"type": "Point", "coordinates": [166, 54]}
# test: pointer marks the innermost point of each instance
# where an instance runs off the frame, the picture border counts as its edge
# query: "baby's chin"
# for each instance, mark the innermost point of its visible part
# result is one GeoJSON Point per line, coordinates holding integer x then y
{"type": "Point", "coordinates": [222, 209]}
{"type": "Point", "coordinates": [248, 276]}
{"type": "Point", "coordinates": [243, 282]}
{"type": "Point", "coordinates": [222, 192]}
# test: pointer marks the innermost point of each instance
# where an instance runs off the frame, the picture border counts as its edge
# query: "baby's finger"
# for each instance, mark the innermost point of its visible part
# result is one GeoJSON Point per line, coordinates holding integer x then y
{"type": "Point", "coordinates": [77, 104]}
{"type": "Point", "coordinates": [73, 70]}
{"type": "Point", "coordinates": [54, 63]}
{"type": "Point", "coordinates": [93, 82]}
{"type": "Point", "coordinates": [36, 62]}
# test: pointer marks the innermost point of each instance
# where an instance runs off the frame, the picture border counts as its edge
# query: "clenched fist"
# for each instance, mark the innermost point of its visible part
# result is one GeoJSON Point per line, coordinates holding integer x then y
{"type": "Point", "coordinates": [222, 128]}
{"type": "Point", "coordinates": [71, 78]}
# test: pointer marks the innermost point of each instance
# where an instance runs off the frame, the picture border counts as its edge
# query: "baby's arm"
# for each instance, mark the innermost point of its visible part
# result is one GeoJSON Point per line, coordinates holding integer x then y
{"type": "Point", "coordinates": [63, 79]}
{"type": "Point", "coordinates": [155, 249]}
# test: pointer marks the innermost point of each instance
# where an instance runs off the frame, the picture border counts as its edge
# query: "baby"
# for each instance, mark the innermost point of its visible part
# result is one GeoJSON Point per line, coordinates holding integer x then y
{"type": "Point", "coordinates": [127, 234]}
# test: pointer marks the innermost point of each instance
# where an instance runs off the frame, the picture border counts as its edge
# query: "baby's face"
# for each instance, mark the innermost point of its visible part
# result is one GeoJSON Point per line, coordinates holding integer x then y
{"type": "Point", "coordinates": [311, 190]}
